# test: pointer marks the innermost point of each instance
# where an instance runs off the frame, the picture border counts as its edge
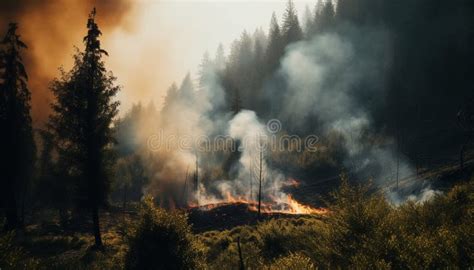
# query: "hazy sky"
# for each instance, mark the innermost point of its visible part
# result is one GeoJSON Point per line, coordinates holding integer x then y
{"type": "Point", "coordinates": [168, 38]}
{"type": "Point", "coordinates": [151, 43]}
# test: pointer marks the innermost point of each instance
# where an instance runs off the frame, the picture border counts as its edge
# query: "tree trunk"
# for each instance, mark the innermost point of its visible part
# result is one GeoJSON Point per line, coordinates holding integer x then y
{"type": "Point", "coordinates": [250, 181]}
{"type": "Point", "coordinates": [96, 227]}
{"type": "Point", "coordinates": [260, 185]}
{"type": "Point", "coordinates": [241, 259]}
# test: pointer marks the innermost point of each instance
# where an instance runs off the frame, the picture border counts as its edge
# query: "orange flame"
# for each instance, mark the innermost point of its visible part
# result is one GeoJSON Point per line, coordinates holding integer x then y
{"type": "Point", "coordinates": [286, 205]}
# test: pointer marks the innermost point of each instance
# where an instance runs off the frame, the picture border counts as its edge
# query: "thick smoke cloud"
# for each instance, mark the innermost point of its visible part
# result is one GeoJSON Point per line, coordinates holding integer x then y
{"type": "Point", "coordinates": [253, 138]}
{"type": "Point", "coordinates": [51, 29]}
{"type": "Point", "coordinates": [325, 79]}
{"type": "Point", "coordinates": [333, 80]}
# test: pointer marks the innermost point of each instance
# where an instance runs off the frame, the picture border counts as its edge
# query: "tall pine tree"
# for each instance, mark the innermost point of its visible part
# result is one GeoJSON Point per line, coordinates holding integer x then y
{"type": "Point", "coordinates": [291, 27]}
{"type": "Point", "coordinates": [274, 46]}
{"type": "Point", "coordinates": [81, 121]}
{"type": "Point", "coordinates": [18, 149]}
{"type": "Point", "coordinates": [308, 22]}
{"type": "Point", "coordinates": [326, 19]}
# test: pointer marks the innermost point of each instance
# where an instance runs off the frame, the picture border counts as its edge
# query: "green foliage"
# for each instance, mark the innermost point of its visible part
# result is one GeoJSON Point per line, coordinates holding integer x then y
{"type": "Point", "coordinates": [361, 231]}
{"type": "Point", "coordinates": [81, 121]}
{"type": "Point", "coordinates": [275, 46]}
{"type": "Point", "coordinates": [281, 237]}
{"type": "Point", "coordinates": [12, 256]}
{"type": "Point", "coordinates": [17, 155]}
{"type": "Point", "coordinates": [438, 233]}
{"type": "Point", "coordinates": [291, 27]}
{"type": "Point", "coordinates": [162, 240]}
{"type": "Point", "coordinates": [294, 261]}
{"type": "Point", "coordinates": [357, 229]}
{"type": "Point", "coordinates": [262, 244]}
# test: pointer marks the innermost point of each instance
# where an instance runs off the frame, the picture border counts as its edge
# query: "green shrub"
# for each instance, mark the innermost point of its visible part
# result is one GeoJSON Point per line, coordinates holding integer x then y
{"type": "Point", "coordinates": [161, 240]}
{"type": "Point", "coordinates": [293, 261]}
{"type": "Point", "coordinates": [361, 231]}
{"type": "Point", "coordinates": [13, 256]}
{"type": "Point", "coordinates": [357, 230]}
{"type": "Point", "coordinates": [280, 237]}
{"type": "Point", "coordinates": [438, 233]}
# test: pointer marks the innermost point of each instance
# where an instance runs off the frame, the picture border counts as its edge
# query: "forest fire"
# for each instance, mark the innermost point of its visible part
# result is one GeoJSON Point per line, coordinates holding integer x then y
{"type": "Point", "coordinates": [286, 205]}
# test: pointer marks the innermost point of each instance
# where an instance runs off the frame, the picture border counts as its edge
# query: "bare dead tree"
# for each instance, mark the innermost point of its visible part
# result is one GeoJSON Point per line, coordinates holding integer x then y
{"type": "Point", "coordinates": [260, 169]}
{"type": "Point", "coordinates": [185, 188]}
{"type": "Point", "coordinates": [241, 259]}
{"type": "Point", "coordinates": [251, 180]}
{"type": "Point", "coordinates": [196, 176]}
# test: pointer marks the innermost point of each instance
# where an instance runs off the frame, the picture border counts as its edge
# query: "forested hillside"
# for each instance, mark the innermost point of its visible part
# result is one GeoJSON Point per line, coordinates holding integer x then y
{"type": "Point", "coordinates": [337, 137]}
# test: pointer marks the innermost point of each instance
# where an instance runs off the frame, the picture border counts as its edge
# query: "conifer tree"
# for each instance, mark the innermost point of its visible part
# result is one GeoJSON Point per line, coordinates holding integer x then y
{"type": "Point", "coordinates": [318, 10]}
{"type": "Point", "coordinates": [81, 122]}
{"type": "Point", "coordinates": [258, 67]}
{"type": "Point", "coordinates": [18, 149]}
{"type": "Point", "coordinates": [170, 98]}
{"type": "Point", "coordinates": [274, 47]}
{"type": "Point", "coordinates": [186, 92]}
{"type": "Point", "coordinates": [220, 60]}
{"type": "Point", "coordinates": [291, 27]}
{"type": "Point", "coordinates": [326, 17]}
{"type": "Point", "coordinates": [308, 22]}
{"type": "Point", "coordinates": [260, 41]}
{"type": "Point", "coordinates": [236, 102]}
{"type": "Point", "coordinates": [206, 70]}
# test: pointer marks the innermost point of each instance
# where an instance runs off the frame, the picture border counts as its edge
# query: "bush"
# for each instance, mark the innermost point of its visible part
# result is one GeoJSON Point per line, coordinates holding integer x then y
{"type": "Point", "coordinates": [364, 231]}
{"type": "Point", "coordinates": [358, 229]}
{"type": "Point", "coordinates": [294, 261]}
{"type": "Point", "coordinates": [361, 231]}
{"type": "Point", "coordinates": [261, 244]}
{"type": "Point", "coordinates": [12, 256]}
{"type": "Point", "coordinates": [161, 240]}
{"type": "Point", "coordinates": [284, 236]}
{"type": "Point", "coordinates": [439, 233]}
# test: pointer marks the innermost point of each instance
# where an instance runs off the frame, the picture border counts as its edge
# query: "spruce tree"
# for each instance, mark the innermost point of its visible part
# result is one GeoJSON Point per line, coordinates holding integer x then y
{"type": "Point", "coordinates": [258, 69]}
{"type": "Point", "coordinates": [205, 71]}
{"type": "Point", "coordinates": [170, 98]}
{"type": "Point", "coordinates": [274, 47]}
{"type": "Point", "coordinates": [18, 148]}
{"type": "Point", "coordinates": [326, 17]}
{"type": "Point", "coordinates": [291, 27]}
{"type": "Point", "coordinates": [308, 22]}
{"type": "Point", "coordinates": [186, 92]}
{"type": "Point", "coordinates": [220, 60]}
{"type": "Point", "coordinates": [81, 121]}
{"type": "Point", "coordinates": [318, 10]}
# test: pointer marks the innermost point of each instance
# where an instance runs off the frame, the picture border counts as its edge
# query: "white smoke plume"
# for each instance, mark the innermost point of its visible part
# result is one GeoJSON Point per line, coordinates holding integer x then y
{"type": "Point", "coordinates": [252, 166]}
{"type": "Point", "coordinates": [323, 79]}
